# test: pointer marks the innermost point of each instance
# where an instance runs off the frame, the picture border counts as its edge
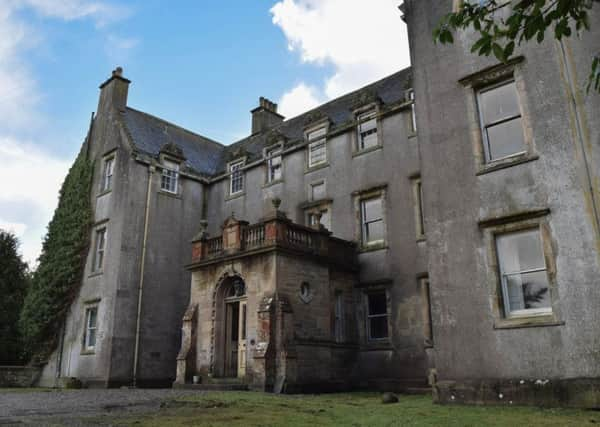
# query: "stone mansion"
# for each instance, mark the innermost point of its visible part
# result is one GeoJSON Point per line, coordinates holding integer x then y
{"type": "Point", "coordinates": [439, 227]}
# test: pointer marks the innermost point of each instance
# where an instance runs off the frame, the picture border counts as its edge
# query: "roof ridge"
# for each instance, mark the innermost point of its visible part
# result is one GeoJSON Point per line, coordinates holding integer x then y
{"type": "Point", "coordinates": [177, 126]}
{"type": "Point", "coordinates": [320, 106]}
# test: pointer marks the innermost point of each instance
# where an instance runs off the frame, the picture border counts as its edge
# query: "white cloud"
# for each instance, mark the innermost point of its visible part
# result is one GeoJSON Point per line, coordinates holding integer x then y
{"type": "Point", "coordinates": [364, 41]}
{"type": "Point", "coordinates": [32, 177]}
{"type": "Point", "coordinates": [118, 48]}
{"type": "Point", "coordinates": [298, 100]}
{"type": "Point", "coordinates": [29, 196]}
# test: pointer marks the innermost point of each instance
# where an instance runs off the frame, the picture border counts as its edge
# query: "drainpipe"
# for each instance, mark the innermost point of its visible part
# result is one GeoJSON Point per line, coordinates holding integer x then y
{"type": "Point", "coordinates": [141, 283]}
{"type": "Point", "coordinates": [580, 134]}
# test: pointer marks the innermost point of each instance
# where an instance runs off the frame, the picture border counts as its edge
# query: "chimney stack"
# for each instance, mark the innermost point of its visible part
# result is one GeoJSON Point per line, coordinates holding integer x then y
{"type": "Point", "coordinates": [113, 92]}
{"type": "Point", "coordinates": [265, 116]}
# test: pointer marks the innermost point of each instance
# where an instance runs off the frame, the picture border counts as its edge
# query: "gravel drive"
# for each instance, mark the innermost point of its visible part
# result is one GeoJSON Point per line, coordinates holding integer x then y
{"type": "Point", "coordinates": [79, 407]}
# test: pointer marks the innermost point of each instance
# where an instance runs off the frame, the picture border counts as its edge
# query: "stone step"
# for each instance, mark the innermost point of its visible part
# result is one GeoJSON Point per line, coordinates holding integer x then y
{"type": "Point", "coordinates": [213, 387]}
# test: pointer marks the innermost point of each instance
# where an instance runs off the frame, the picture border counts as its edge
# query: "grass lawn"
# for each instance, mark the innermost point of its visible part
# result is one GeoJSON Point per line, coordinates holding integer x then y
{"type": "Point", "coordinates": [350, 409]}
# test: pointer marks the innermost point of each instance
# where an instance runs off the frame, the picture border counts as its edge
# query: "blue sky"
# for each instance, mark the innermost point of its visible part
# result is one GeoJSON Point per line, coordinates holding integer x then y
{"type": "Point", "coordinates": [199, 64]}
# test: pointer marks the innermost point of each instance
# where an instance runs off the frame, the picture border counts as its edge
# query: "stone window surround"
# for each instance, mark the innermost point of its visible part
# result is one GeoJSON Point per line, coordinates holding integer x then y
{"type": "Point", "coordinates": [534, 219]}
{"type": "Point", "coordinates": [88, 305]}
{"type": "Point", "coordinates": [229, 195]}
{"type": "Point", "coordinates": [266, 152]}
{"type": "Point", "coordinates": [354, 137]}
{"type": "Point", "coordinates": [321, 124]}
{"type": "Point", "coordinates": [317, 207]}
{"type": "Point", "coordinates": [425, 294]}
{"type": "Point", "coordinates": [178, 184]}
{"type": "Point", "coordinates": [110, 155]}
{"type": "Point", "coordinates": [369, 193]}
{"type": "Point", "coordinates": [96, 229]}
{"type": "Point", "coordinates": [417, 194]}
{"type": "Point", "coordinates": [366, 289]}
{"type": "Point", "coordinates": [411, 118]}
{"type": "Point", "coordinates": [488, 77]}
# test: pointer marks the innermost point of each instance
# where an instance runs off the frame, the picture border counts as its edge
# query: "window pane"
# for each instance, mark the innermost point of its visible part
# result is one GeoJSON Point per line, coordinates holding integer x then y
{"type": "Point", "coordinates": [499, 103]}
{"type": "Point", "coordinates": [92, 318]}
{"type": "Point", "coordinates": [377, 303]}
{"type": "Point", "coordinates": [527, 291]}
{"type": "Point", "coordinates": [372, 209]}
{"type": "Point", "coordinates": [369, 139]}
{"type": "Point", "coordinates": [505, 139]}
{"type": "Point", "coordinates": [317, 153]}
{"type": "Point", "coordinates": [368, 125]}
{"type": "Point", "coordinates": [520, 251]}
{"type": "Point", "coordinates": [374, 231]}
{"type": "Point", "coordinates": [378, 327]}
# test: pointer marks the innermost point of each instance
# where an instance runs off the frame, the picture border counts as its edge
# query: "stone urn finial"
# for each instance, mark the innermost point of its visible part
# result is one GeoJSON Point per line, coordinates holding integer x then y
{"type": "Point", "coordinates": [276, 202]}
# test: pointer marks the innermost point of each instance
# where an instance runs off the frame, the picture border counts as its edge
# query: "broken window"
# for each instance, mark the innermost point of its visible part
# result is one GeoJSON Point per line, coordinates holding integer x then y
{"type": "Point", "coordinates": [170, 176]}
{"type": "Point", "coordinates": [89, 333]}
{"type": "Point", "coordinates": [377, 316]}
{"type": "Point", "coordinates": [523, 273]}
{"type": "Point", "coordinates": [317, 147]}
{"type": "Point", "coordinates": [500, 118]}
{"type": "Point", "coordinates": [367, 130]}
{"type": "Point", "coordinates": [236, 177]}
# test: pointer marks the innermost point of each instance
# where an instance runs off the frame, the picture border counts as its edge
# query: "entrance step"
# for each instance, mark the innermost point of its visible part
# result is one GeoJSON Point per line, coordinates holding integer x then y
{"type": "Point", "coordinates": [213, 387]}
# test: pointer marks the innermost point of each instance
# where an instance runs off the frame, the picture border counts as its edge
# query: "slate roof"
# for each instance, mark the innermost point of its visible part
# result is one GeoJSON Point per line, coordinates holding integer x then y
{"type": "Point", "coordinates": [150, 134]}
{"type": "Point", "coordinates": [208, 157]}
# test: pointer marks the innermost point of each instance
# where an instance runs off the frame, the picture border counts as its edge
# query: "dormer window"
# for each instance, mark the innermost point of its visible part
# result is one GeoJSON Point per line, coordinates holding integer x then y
{"type": "Point", "coordinates": [367, 130]}
{"type": "Point", "coordinates": [236, 178]}
{"type": "Point", "coordinates": [170, 176]}
{"type": "Point", "coordinates": [274, 164]}
{"type": "Point", "coordinates": [317, 147]}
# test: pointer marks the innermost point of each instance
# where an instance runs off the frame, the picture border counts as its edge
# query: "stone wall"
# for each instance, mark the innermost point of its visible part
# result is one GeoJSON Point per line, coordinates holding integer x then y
{"type": "Point", "coordinates": [19, 376]}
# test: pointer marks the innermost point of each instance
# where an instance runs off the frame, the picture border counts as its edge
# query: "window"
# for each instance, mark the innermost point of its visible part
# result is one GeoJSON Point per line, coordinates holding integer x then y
{"type": "Point", "coordinates": [170, 176]}
{"type": "Point", "coordinates": [338, 321]}
{"type": "Point", "coordinates": [99, 248]}
{"type": "Point", "coordinates": [523, 275]}
{"type": "Point", "coordinates": [412, 123]}
{"type": "Point", "coordinates": [317, 191]}
{"type": "Point", "coordinates": [236, 177]}
{"type": "Point", "coordinates": [89, 333]}
{"type": "Point", "coordinates": [367, 130]}
{"type": "Point", "coordinates": [107, 174]}
{"type": "Point", "coordinates": [426, 312]}
{"type": "Point", "coordinates": [372, 220]}
{"type": "Point", "coordinates": [325, 218]}
{"type": "Point", "coordinates": [274, 161]}
{"type": "Point", "coordinates": [317, 147]}
{"type": "Point", "coordinates": [500, 118]}
{"type": "Point", "coordinates": [377, 316]}
{"type": "Point", "coordinates": [418, 200]}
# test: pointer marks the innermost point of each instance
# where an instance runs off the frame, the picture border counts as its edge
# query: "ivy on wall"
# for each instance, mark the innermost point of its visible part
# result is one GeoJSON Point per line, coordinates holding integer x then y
{"type": "Point", "coordinates": [56, 281]}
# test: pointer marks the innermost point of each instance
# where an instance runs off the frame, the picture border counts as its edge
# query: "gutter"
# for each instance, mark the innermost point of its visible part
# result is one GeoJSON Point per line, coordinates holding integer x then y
{"type": "Point", "coordinates": [151, 170]}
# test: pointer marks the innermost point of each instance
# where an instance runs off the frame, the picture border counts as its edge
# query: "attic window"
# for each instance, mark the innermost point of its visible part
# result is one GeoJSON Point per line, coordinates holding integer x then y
{"type": "Point", "coordinates": [170, 176]}
{"type": "Point", "coordinates": [317, 148]}
{"type": "Point", "coordinates": [236, 177]}
{"type": "Point", "coordinates": [367, 130]}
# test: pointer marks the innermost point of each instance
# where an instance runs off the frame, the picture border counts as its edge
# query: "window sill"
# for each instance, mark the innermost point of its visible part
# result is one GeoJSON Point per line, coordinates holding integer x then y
{"type": "Point", "coordinates": [378, 345]}
{"type": "Point", "coordinates": [87, 352]}
{"type": "Point", "coordinates": [507, 163]}
{"type": "Point", "coordinates": [528, 322]}
{"type": "Point", "coordinates": [235, 196]}
{"type": "Point", "coordinates": [95, 274]}
{"type": "Point", "coordinates": [104, 193]}
{"type": "Point", "coordinates": [421, 239]}
{"type": "Point", "coordinates": [373, 247]}
{"type": "Point", "coordinates": [358, 153]}
{"type": "Point", "coordinates": [412, 135]}
{"type": "Point", "coordinates": [272, 183]}
{"type": "Point", "coordinates": [316, 167]}
{"type": "Point", "coordinates": [169, 194]}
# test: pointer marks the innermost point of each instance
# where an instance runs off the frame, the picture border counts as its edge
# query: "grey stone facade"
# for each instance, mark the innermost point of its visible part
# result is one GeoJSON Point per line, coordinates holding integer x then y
{"type": "Point", "coordinates": [444, 204]}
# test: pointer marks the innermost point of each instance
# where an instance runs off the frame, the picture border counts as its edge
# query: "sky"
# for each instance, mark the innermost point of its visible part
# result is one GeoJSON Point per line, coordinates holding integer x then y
{"type": "Point", "coordinates": [200, 64]}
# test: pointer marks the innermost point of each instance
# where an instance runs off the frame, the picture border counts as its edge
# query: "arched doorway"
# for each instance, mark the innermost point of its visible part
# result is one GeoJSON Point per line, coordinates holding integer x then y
{"type": "Point", "coordinates": [232, 304]}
